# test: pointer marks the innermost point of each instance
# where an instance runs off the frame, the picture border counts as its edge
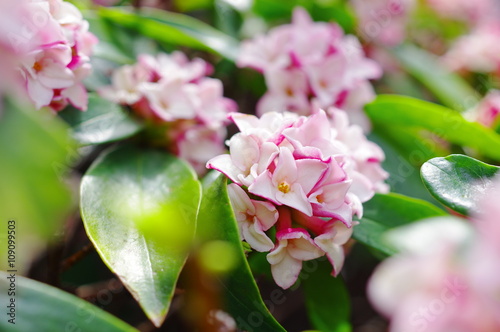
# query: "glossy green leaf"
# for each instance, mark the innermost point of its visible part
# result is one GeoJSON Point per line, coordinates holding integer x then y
{"type": "Point", "coordinates": [189, 5]}
{"type": "Point", "coordinates": [458, 181]}
{"type": "Point", "coordinates": [241, 295]}
{"type": "Point", "coordinates": [35, 151]}
{"type": "Point", "coordinates": [448, 87]}
{"type": "Point", "coordinates": [327, 300]}
{"type": "Point", "coordinates": [103, 122]}
{"type": "Point", "coordinates": [43, 308]}
{"type": "Point", "coordinates": [172, 28]}
{"type": "Point", "coordinates": [404, 175]}
{"type": "Point", "coordinates": [139, 208]}
{"type": "Point", "coordinates": [320, 10]}
{"type": "Point", "coordinates": [406, 112]}
{"type": "Point", "coordinates": [384, 212]}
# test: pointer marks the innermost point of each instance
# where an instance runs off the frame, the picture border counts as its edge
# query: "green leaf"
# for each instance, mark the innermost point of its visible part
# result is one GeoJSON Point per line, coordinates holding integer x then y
{"type": "Point", "coordinates": [189, 5]}
{"type": "Point", "coordinates": [406, 112]}
{"type": "Point", "coordinates": [172, 28]}
{"type": "Point", "coordinates": [103, 122]}
{"type": "Point", "coordinates": [217, 223]}
{"type": "Point", "coordinates": [139, 208]}
{"type": "Point", "coordinates": [384, 212]}
{"type": "Point", "coordinates": [35, 151]}
{"type": "Point", "coordinates": [458, 181]}
{"type": "Point", "coordinates": [404, 176]}
{"type": "Point", "coordinates": [327, 300]}
{"type": "Point", "coordinates": [43, 308]}
{"type": "Point", "coordinates": [448, 87]}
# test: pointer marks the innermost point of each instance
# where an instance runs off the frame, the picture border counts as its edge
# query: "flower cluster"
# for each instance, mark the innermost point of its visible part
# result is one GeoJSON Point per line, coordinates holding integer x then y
{"type": "Point", "coordinates": [172, 93]}
{"type": "Point", "coordinates": [309, 64]}
{"type": "Point", "coordinates": [477, 52]}
{"type": "Point", "coordinates": [306, 177]}
{"type": "Point", "coordinates": [464, 10]}
{"type": "Point", "coordinates": [451, 283]}
{"type": "Point", "coordinates": [383, 21]}
{"type": "Point", "coordinates": [51, 45]}
{"type": "Point", "coordinates": [487, 112]}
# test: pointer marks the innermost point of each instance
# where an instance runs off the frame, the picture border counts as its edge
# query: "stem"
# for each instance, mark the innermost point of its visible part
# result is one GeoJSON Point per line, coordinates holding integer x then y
{"type": "Point", "coordinates": [76, 257]}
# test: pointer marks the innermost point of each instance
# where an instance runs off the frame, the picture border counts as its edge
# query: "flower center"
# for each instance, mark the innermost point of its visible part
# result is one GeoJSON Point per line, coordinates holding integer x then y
{"type": "Point", "coordinates": [320, 199]}
{"type": "Point", "coordinates": [37, 67]}
{"type": "Point", "coordinates": [284, 187]}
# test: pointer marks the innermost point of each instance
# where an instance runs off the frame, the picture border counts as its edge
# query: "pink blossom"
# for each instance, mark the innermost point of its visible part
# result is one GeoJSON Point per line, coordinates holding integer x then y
{"type": "Point", "coordinates": [51, 44]}
{"type": "Point", "coordinates": [175, 97]}
{"type": "Point", "coordinates": [449, 282]}
{"type": "Point", "coordinates": [478, 51]}
{"type": "Point", "coordinates": [311, 172]}
{"type": "Point", "coordinates": [294, 246]}
{"type": "Point", "coordinates": [464, 10]}
{"type": "Point", "coordinates": [254, 218]}
{"type": "Point", "coordinates": [487, 111]}
{"type": "Point", "coordinates": [308, 65]}
{"type": "Point", "coordinates": [383, 21]}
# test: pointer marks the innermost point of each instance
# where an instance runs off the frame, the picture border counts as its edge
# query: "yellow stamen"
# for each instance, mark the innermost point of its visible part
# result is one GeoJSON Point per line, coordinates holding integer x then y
{"type": "Point", "coordinates": [320, 199]}
{"type": "Point", "coordinates": [284, 187]}
{"type": "Point", "coordinates": [37, 67]}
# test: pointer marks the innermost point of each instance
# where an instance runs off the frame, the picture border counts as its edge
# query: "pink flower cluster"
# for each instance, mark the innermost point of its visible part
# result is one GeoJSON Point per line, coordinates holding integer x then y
{"type": "Point", "coordinates": [452, 283]}
{"type": "Point", "coordinates": [173, 93]}
{"type": "Point", "coordinates": [305, 176]}
{"type": "Point", "coordinates": [51, 45]}
{"type": "Point", "coordinates": [478, 51]}
{"type": "Point", "coordinates": [487, 112]}
{"type": "Point", "coordinates": [383, 21]}
{"type": "Point", "coordinates": [308, 64]}
{"type": "Point", "coordinates": [464, 10]}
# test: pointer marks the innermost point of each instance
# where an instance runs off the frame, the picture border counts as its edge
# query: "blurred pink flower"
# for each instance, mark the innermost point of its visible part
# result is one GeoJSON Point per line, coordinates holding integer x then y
{"type": "Point", "coordinates": [51, 45]}
{"type": "Point", "coordinates": [487, 112]}
{"type": "Point", "coordinates": [383, 21]}
{"type": "Point", "coordinates": [254, 218]}
{"type": "Point", "coordinates": [449, 284]}
{"type": "Point", "coordinates": [293, 247]}
{"type": "Point", "coordinates": [173, 93]}
{"type": "Point", "coordinates": [311, 172]}
{"type": "Point", "coordinates": [310, 64]}
{"type": "Point", "coordinates": [478, 51]}
{"type": "Point", "coordinates": [473, 12]}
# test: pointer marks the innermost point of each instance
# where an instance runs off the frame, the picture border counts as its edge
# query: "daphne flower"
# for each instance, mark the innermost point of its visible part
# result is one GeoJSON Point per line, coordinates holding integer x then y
{"type": "Point", "coordinates": [478, 51]}
{"type": "Point", "coordinates": [448, 267]}
{"type": "Point", "coordinates": [463, 10]}
{"type": "Point", "coordinates": [254, 218]}
{"type": "Point", "coordinates": [384, 21]}
{"type": "Point", "coordinates": [308, 64]}
{"type": "Point", "coordinates": [294, 246]}
{"type": "Point", "coordinates": [487, 111]}
{"type": "Point", "coordinates": [304, 168]}
{"type": "Point", "coordinates": [331, 241]}
{"type": "Point", "coordinates": [53, 53]}
{"type": "Point", "coordinates": [172, 94]}
{"type": "Point", "coordinates": [290, 181]}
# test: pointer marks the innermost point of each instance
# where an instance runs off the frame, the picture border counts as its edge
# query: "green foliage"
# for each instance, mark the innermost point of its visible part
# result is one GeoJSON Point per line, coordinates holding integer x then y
{"type": "Point", "coordinates": [405, 112]}
{"type": "Point", "coordinates": [336, 11]}
{"type": "Point", "coordinates": [35, 154]}
{"type": "Point", "coordinates": [327, 300]}
{"type": "Point", "coordinates": [139, 207]}
{"type": "Point", "coordinates": [217, 223]}
{"type": "Point", "coordinates": [172, 28]}
{"type": "Point", "coordinates": [458, 181]}
{"type": "Point", "coordinates": [449, 88]}
{"type": "Point", "coordinates": [43, 308]}
{"type": "Point", "coordinates": [384, 212]}
{"type": "Point", "coordinates": [103, 122]}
